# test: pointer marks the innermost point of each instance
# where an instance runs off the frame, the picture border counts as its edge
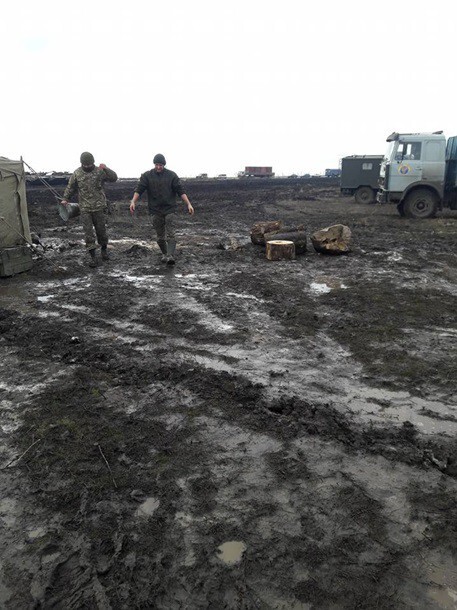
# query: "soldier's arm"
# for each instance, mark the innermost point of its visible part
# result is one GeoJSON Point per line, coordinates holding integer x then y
{"type": "Point", "coordinates": [110, 175]}
{"type": "Point", "coordinates": [71, 189]}
{"type": "Point", "coordinates": [139, 190]}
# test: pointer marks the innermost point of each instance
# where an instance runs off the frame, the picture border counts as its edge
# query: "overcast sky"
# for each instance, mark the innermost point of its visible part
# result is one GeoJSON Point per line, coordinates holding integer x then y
{"type": "Point", "coordinates": [215, 86]}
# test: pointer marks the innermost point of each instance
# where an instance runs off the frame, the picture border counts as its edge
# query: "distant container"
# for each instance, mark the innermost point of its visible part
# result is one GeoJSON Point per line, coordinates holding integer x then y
{"type": "Point", "coordinates": [360, 177]}
{"type": "Point", "coordinates": [252, 171]}
{"type": "Point", "coordinates": [332, 173]}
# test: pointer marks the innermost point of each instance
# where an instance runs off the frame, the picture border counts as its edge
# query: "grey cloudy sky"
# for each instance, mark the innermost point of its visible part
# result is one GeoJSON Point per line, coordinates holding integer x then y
{"type": "Point", "coordinates": [216, 85]}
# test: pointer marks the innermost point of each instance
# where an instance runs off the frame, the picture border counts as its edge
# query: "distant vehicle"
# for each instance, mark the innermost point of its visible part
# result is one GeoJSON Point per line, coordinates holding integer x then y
{"type": "Point", "coordinates": [419, 173]}
{"type": "Point", "coordinates": [293, 176]}
{"type": "Point", "coordinates": [332, 173]}
{"type": "Point", "coordinates": [360, 177]}
{"type": "Point", "coordinates": [251, 171]}
{"type": "Point", "coordinates": [222, 176]}
{"type": "Point", "coordinates": [202, 176]}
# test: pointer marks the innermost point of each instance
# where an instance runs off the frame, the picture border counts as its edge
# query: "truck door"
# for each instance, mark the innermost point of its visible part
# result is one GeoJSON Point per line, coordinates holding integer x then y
{"type": "Point", "coordinates": [405, 166]}
{"type": "Point", "coordinates": [433, 161]}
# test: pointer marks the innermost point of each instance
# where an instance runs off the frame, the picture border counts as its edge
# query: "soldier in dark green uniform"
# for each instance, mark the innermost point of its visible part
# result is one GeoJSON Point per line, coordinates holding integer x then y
{"type": "Point", "coordinates": [162, 186]}
{"type": "Point", "coordinates": [88, 182]}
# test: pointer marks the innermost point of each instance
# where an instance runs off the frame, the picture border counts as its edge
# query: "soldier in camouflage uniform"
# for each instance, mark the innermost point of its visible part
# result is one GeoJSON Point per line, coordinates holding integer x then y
{"type": "Point", "coordinates": [162, 186]}
{"type": "Point", "coordinates": [88, 182]}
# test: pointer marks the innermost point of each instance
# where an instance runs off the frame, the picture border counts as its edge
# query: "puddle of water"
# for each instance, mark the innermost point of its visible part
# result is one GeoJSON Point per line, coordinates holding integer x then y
{"type": "Point", "coordinates": [141, 280]}
{"type": "Point", "coordinates": [325, 284]}
{"type": "Point", "coordinates": [148, 507]}
{"type": "Point", "coordinates": [319, 288]}
{"type": "Point", "coordinates": [36, 533]}
{"type": "Point", "coordinates": [244, 296]}
{"type": "Point", "coordinates": [444, 576]}
{"type": "Point", "coordinates": [400, 407]}
{"type": "Point", "coordinates": [231, 552]}
{"type": "Point", "coordinates": [76, 308]}
{"type": "Point", "coordinates": [46, 298]}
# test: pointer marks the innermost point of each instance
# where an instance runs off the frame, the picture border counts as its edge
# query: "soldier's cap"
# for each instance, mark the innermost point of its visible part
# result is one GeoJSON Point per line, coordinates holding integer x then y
{"type": "Point", "coordinates": [87, 158]}
{"type": "Point", "coordinates": [160, 159]}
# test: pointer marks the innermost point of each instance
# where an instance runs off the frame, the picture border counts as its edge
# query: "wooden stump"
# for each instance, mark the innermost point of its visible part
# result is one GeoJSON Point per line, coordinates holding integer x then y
{"type": "Point", "coordinates": [297, 236]}
{"type": "Point", "coordinates": [259, 229]}
{"type": "Point", "coordinates": [280, 250]}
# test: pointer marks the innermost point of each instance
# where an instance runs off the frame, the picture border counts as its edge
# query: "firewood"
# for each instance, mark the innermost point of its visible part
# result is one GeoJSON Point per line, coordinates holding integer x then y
{"type": "Point", "coordinates": [298, 237]}
{"type": "Point", "coordinates": [279, 250]}
{"type": "Point", "coordinates": [259, 229]}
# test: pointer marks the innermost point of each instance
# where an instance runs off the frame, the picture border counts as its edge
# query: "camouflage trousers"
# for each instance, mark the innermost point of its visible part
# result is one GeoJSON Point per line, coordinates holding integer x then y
{"type": "Point", "coordinates": [91, 221]}
{"type": "Point", "coordinates": [164, 225]}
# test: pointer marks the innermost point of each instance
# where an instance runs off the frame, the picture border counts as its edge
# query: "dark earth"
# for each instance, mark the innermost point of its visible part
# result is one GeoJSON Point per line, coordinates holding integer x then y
{"type": "Point", "coordinates": [231, 432]}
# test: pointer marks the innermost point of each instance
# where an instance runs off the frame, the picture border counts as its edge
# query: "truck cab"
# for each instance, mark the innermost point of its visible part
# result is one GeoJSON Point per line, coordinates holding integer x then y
{"type": "Point", "coordinates": [412, 173]}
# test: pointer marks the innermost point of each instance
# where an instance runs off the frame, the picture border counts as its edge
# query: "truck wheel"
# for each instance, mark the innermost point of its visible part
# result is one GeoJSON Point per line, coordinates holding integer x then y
{"type": "Point", "coordinates": [421, 203]}
{"type": "Point", "coordinates": [365, 194]}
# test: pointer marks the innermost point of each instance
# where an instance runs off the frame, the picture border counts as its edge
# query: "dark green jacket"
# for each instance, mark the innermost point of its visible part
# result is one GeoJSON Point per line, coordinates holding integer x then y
{"type": "Point", "coordinates": [162, 189]}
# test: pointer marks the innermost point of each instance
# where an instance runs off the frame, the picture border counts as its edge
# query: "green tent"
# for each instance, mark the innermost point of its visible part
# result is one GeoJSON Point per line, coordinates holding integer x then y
{"type": "Point", "coordinates": [15, 254]}
{"type": "Point", "coordinates": [14, 219]}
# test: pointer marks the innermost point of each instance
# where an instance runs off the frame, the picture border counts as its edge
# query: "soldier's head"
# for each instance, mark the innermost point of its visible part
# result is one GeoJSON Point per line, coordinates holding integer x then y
{"type": "Point", "coordinates": [87, 161]}
{"type": "Point", "coordinates": [159, 163]}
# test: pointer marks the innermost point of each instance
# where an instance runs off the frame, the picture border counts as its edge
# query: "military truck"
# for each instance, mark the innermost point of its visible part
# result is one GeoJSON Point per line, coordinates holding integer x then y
{"type": "Point", "coordinates": [360, 176]}
{"type": "Point", "coordinates": [419, 173]}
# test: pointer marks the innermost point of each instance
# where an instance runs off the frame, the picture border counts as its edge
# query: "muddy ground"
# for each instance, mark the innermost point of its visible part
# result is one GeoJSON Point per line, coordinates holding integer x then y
{"type": "Point", "coordinates": [231, 432]}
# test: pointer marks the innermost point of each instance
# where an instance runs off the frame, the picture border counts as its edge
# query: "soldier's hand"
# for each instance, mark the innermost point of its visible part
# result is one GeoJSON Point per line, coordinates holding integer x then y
{"type": "Point", "coordinates": [64, 202]}
{"type": "Point", "coordinates": [190, 209]}
{"type": "Point", "coordinates": [102, 166]}
{"type": "Point", "coordinates": [132, 207]}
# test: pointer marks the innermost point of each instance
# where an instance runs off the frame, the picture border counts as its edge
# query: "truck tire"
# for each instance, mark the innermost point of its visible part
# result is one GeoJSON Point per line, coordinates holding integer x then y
{"type": "Point", "coordinates": [421, 203]}
{"type": "Point", "coordinates": [365, 194]}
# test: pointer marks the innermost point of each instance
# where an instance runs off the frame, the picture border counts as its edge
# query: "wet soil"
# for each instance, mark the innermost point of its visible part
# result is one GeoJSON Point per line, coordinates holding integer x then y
{"type": "Point", "coordinates": [231, 432]}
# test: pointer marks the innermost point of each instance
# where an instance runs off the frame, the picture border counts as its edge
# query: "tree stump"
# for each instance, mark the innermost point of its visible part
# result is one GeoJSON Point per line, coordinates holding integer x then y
{"type": "Point", "coordinates": [298, 237]}
{"type": "Point", "coordinates": [259, 229]}
{"type": "Point", "coordinates": [280, 250]}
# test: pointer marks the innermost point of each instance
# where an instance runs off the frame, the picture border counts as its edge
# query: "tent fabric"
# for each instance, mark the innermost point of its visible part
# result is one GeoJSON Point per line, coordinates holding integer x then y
{"type": "Point", "coordinates": [14, 219]}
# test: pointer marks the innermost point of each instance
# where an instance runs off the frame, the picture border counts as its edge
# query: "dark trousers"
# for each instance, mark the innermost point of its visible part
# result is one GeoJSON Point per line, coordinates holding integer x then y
{"type": "Point", "coordinates": [91, 221]}
{"type": "Point", "coordinates": [164, 225]}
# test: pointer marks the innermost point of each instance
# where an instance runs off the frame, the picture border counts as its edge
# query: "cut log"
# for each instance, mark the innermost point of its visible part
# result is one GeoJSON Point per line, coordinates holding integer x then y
{"type": "Point", "coordinates": [259, 229]}
{"type": "Point", "coordinates": [298, 237]}
{"type": "Point", "coordinates": [270, 234]}
{"type": "Point", "coordinates": [280, 250]}
{"type": "Point", "coordinates": [332, 240]}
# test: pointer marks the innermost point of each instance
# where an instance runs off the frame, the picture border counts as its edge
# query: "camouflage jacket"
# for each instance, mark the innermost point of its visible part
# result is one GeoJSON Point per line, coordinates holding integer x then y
{"type": "Point", "coordinates": [89, 187]}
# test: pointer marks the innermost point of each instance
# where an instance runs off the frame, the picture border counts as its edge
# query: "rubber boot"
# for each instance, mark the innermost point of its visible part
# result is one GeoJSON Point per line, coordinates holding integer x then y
{"type": "Point", "coordinates": [163, 246]}
{"type": "Point", "coordinates": [171, 247]}
{"type": "Point", "coordinates": [104, 252]}
{"type": "Point", "coordinates": [92, 258]}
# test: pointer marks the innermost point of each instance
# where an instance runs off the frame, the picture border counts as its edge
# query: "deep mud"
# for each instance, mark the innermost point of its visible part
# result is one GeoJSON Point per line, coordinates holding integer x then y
{"type": "Point", "coordinates": [232, 432]}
